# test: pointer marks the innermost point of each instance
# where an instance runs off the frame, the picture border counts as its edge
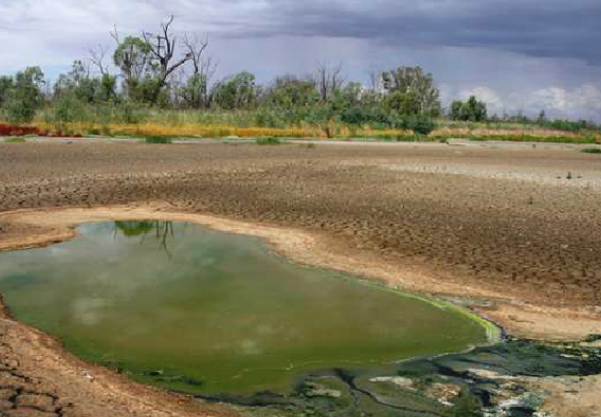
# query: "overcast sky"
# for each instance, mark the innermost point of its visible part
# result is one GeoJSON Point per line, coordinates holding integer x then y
{"type": "Point", "coordinates": [515, 54]}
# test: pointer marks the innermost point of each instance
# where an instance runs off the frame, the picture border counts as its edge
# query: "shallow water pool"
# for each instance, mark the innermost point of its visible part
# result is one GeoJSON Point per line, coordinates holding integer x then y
{"type": "Point", "coordinates": [208, 312]}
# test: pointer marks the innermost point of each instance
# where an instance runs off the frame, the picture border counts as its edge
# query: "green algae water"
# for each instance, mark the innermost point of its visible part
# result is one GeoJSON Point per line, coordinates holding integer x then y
{"type": "Point", "coordinates": [208, 312]}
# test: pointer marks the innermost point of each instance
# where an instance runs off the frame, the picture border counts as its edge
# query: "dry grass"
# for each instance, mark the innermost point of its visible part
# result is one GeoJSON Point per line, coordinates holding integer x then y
{"type": "Point", "coordinates": [331, 130]}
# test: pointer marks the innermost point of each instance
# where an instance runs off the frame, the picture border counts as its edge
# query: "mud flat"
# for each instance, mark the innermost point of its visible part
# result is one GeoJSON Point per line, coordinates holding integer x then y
{"type": "Point", "coordinates": [502, 231]}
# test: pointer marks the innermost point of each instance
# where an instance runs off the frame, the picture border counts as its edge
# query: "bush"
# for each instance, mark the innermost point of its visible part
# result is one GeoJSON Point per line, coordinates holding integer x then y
{"type": "Point", "coordinates": [15, 139]}
{"type": "Point", "coordinates": [421, 125]}
{"type": "Point", "coordinates": [19, 111]}
{"type": "Point", "coordinates": [471, 110]}
{"type": "Point", "coordinates": [592, 150]}
{"type": "Point", "coordinates": [162, 140]}
{"type": "Point", "coordinates": [68, 109]}
{"type": "Point", "coordinates": [365, 115]}
{"type": "Point", "coordinates": [269, 141]}
{"type": "Point", "coordinates": [130, 113]}
{"type": "Point", "coordinates": [269, 118]}
{"type": "Point", "coordinates": [25, 96]}
{"type": "Point", "coordinates": [567, 125]}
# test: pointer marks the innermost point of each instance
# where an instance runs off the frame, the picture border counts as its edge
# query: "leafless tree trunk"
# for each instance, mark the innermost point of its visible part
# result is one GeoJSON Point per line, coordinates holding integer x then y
{"type": "Point", "coordinates": [163, 48]}
{"type": "Point", "coordinates": [196, 47]}
{"type": "Point", "coordinates": [328, 80]}
{"type": "Point", "coordinates": [203, 69]}
{"type": "Point", "coordinates": [97, 57]}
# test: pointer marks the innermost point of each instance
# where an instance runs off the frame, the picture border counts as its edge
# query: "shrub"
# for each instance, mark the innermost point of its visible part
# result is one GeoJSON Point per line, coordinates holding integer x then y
{"type": "Point", "coordinates": [16, 139]}
{"type": "Point", "coordinates": [269, 118]}
{"type": "Point", "coordinates": [471, 110]}
{"type": "Point", "coordinates": [269, 141]}
{"type": "Point", "coordinates": [130, 113]}
{"type": "Point", "coordinates": [25, 96]}
{"type": "Point", "coordinates": [163, 140]}
{"type": "Point", "coordinates": [567, 125]}
{"type": "Point", "coordinates": [19, 111]}
{"type": "Point", "coordinates": [365, 115]}
{"type": "Point", "coordinates": [69, 109]}
{"type": "Point", "coordinates": [592, 150]}
{"type": "Point", "coordinates": [422, 125]}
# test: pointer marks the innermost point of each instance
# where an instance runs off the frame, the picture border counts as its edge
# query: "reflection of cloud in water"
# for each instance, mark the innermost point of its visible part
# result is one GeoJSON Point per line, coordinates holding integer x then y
{"type": "Point", "coordinates": [89, 311]}
{"type": "Point", "coordinates": [250, 347]}
{"type": "Point", "coordinates": [207, 261]}
{"type": "Point", "coordinates": [266, 330]}
{"type": "Point", "coordinates": [57, 251]}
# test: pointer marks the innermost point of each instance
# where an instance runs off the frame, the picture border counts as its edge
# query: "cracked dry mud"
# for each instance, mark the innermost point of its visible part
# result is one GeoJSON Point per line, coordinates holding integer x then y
{"type": "Point", "coordinates": [505, 229]}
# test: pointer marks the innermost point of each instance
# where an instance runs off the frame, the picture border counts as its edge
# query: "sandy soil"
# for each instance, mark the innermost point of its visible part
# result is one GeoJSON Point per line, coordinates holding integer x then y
{"type": "Point", "coordinates": [512, 231]}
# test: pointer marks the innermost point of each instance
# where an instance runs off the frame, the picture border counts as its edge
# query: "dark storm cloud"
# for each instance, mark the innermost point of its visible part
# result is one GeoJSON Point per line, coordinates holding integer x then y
{"type": "Point", "coordinates": [555, 28]}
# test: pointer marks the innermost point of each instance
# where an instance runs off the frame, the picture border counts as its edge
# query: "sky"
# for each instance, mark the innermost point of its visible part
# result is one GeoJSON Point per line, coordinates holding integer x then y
{"type": "Point", "coordinates": [516, 55]}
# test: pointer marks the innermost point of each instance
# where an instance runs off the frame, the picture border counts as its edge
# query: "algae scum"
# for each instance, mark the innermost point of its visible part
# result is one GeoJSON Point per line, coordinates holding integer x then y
{"type": "Point", "coordinates": [208, 312]}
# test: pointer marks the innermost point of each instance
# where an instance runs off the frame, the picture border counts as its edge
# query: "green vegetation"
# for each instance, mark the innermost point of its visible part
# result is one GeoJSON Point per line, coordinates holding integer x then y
{"type": "Point", "coordinates": [22, 95]}
{"type": "Point", "coordinates": [471, 110]}
{"type": "Point", "coordinates": [269, 141]}
{"type": "Point", "coordinates": [162, 140]}
{"type": "Point", "coordinates": [15, 139]}
{"type": "Point", "coordinates": [157, 84]}
{"type": "Point", "coordinates": [592, 150]}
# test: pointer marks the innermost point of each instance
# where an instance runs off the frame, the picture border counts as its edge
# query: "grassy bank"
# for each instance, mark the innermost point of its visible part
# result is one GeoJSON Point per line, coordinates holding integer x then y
{"type": "Point", "coordinates": [174, 129]}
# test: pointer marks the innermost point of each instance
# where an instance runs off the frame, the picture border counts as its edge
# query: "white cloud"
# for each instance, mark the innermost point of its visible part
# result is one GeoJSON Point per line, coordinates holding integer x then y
{"type": "Point", "coordinates": [583, 101]}
{"type": "Point", "coordinates": [485, 94]}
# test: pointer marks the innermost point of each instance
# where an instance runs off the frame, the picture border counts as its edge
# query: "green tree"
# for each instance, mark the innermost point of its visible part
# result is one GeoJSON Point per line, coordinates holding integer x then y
{"type": "Point", "coordinates": [347, 97]}
{"type": "Point", "coordinates": [25, 96]}
{"type": "Point", "coordinates": [79, 84]}
{"type": "Point", "coordinates": [470, 111]}
{"type": "Point", "coordinates": [456, 107]}
{"type": "Point", "coordinates": [289, 92]}
{"type": "Point", "coordinates": [413, 91]}
{"type": "Point", "coordinates": [133, 58]}
{"type": "Point", "coordinates": [6, 84]}
{"type": "Point", "coordinates": [194, 92]}
{"type": "Point", "coordinates": [236, 92]}
{"type": "Point", "coordinates": [403, 103]}
{"type": "Point", "coordinates": [107, 88]}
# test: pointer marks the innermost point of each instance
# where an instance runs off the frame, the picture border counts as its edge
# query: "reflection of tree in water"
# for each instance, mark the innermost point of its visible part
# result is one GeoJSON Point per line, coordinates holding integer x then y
{"type": "Point", "coordinates": [161, 230]}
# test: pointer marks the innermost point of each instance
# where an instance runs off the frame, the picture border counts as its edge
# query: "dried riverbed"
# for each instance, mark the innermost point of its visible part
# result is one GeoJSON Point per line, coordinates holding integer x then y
{"type": "Point", "coordinates": [522, 251]}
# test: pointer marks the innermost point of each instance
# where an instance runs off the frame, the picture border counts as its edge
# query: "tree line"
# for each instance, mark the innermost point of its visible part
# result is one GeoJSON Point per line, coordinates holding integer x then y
{"type": "Point", "coordinates": [165, 70]}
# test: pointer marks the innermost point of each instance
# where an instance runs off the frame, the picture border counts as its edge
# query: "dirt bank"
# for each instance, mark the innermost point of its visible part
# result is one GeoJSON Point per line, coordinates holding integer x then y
{"type": "Point", "coordinates": [514, 232]}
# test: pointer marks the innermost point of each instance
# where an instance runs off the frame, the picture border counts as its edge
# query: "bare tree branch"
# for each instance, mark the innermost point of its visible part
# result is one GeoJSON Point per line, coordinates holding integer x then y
{"type": "Point", "coordinates": [115, 35]}
{"type": "Point", "coordinates": [329, 79]}
{"type": "Point", "coordinates": [97, 57]}
{"type": "Point", "coordinates": [163, 47]}
{"type": "Point", "coordinates": [196, 47]}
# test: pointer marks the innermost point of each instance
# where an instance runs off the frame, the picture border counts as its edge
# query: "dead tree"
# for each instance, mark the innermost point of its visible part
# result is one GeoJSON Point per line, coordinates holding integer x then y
{"type": "Point", "coordinates": [196, 47]}
{"type": "Point", "coordinates": [97, 57]}
{"type": "Point", "coordinates": [328, 80]}
{"type": "Point", "coordinates": [196, 94]}
{"type": "Point", "coordinates": [163, 48]}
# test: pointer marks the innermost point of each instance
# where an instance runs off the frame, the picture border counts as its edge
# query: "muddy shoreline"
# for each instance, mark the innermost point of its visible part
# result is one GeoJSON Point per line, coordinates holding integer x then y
{"type": "Point", "coordinates": [327, 214]}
